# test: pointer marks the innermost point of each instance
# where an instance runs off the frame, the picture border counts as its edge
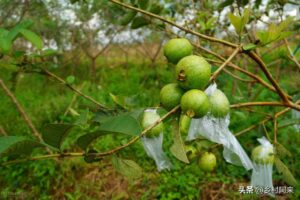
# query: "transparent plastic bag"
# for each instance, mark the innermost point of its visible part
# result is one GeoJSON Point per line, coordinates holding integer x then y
{"type": "Point", "coordinates": [216, 130]}
{"type": "Point", "coordinates": [262, 173]}
{"type": "Point", "coordinates": [153, 148]}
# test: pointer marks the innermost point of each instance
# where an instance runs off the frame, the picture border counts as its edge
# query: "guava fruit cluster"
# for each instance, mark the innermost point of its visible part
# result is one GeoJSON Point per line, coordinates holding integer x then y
{"type": "Point", "coordinates": [192, 77]}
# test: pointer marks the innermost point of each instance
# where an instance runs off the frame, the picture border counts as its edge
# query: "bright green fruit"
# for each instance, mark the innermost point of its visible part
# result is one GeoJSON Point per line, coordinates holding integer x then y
{"type": "Point", "coordinates": [190, 151]}
{"type": "Point", "coordinates": [194, 103]}
{"type": "Point", "coordinates": [263, 155]}
{"type": "Point", "coordinates": [207, 162]}
{"type": "Point", "coordinates": [148, 119]}
{"type": "Point", "coordinates": [177, 48]}
{"type": "Point", "coordinates": [184, 124]}
{"type": "Point", "coordinates": [170, 95]}
{"type": "Point", "coordinates": [219, 104]}
{"type": "Point", "coordinates": [193, 72]}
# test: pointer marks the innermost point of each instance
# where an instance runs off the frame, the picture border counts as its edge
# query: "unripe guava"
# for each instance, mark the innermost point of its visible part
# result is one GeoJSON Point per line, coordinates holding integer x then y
{"type": "Point", "coordinates": [184, 124]}
{"type": "Point", "coordinates": [177, 48]}
{"type": "Point", "coordinates": [190, 151]}
{"type": "Point", "coordinates": [207, 162]}
{"type": "Point", "coordinates": [193, 72]}
{"type": "Point", "coordinates": [148, 119]}
{"type": "Point", "coordinates": [194, 103]}
{"type": "Point", "coordinates": [263, 154]}
{"type": "Point", "coordinates": [219, 104]}
{"type": "Point", "coordinates": [170, 95]}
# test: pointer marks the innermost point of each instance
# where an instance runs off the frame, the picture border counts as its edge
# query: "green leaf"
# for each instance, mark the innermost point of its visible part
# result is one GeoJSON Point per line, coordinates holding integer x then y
{"type": "Point", "coordinates": [70, 79]}
{"type": "Point", "coordinates": [239, 22]}
{"type": "Point", "coordinates": [17, 145]}
{"type": "Point", "coordinates": [281, 151]}
{"type": "Point", "coordinates": [178, 148]}
{"type": "Point", "coordinates": [236, 21]}
{"type": "Point", "coordinates": [54, 134]}
{"type": "Point", "coordinates": [225, 3]}
{"type": "Point", "coordinates": [127, 168]}
{"type": "Point", "coordinates": [286, 173]}
{"type": "Point", "coordinates": [128, 17]}
{"type": "Point", "coordinates": [49, 52]}
{"type": "Point", "coordinates": [156, 8]}
{"type": "Point", "coordinates": [249, 46]}
{"type": "Point", "coordinates": [245, 17]}
{"type": "Point", "coordinates": [119, 100]}
{"type": "Point", "coordinates": [13, 33]}
{"type": "Point", "coordinates": [139, 22]}
{"type": "Point", "coordinates": [83, 118]}
{"type": "Point", "coordinates": [143, 4]}
{"type": "Point", "coordinates": [5, 45]}
{"type": "Point", "coordinates": [85, 140]}
{"type": "Point", "coordinates": [32, 37]}
{"type": "Point", "coordinates": [125, 124]}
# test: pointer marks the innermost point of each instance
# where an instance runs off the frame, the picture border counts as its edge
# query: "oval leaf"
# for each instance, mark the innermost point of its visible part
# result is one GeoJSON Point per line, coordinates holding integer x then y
{"type": "Point", "coordinates": [17, 145]}
{"type": "Point", "coordinates": [128, 168]}
{"type": "Point", "coordinates": [178, 149]}
{"type": "Point", "coordinates": [33, 38]}
{"type": "Point", "coordinates": [54, 134]}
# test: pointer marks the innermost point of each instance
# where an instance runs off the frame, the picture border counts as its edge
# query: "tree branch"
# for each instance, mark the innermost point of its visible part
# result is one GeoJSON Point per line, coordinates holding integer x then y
{"type": "Point", "coordinates": [264, 68]}
{"type": "Point", "coordinates": [212, 39]}
{"type": "Point", "coordinates": [21, 111]}
{"type": "Point", "coordinates": [48, 73]}
{"type": "Point", "coordinates": [216, 73]}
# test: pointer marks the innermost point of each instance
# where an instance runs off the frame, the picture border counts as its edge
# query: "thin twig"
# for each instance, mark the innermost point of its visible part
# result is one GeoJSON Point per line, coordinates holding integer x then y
{"type": "Point", "coordinates": [21, 111]}
{"type": "Point", "coordinates": [48, 73]}
{"type": "Point", "coordinates": [264, 68]}
{"type": "Point", "coordinates": [237, 77]}
{"type": "Point", "coordinates": [2, 131]}
{"type": "Point", "coordinates": [216, 73]}
{"type": "Point", "coordinates": [212, 39]}
{"type": "Point", "coordinates": [247, 104]}
{"type": "Point", "coordinates": [292, 57]}
{"type": "Point", "coordinates": [75, 95]}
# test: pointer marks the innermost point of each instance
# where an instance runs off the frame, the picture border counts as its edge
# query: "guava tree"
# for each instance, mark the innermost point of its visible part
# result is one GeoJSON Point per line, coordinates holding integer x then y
{"type": "Point", "coordinates": [191, 53]}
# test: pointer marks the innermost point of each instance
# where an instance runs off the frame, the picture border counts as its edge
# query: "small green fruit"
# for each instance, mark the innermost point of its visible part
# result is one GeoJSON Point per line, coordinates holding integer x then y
{"type": "Point", "coordinates": [207, 162]}
{"type": "Point", "coordinates": [148, 119]}
{"type": "Point", "coordinates": [170, 95]}
{"type": "Point", "coordinates": [184, 124]}
{"type": "Point", "coordinates": [177, 48]}
{"type": "Point", "coordinates": [194, 103]}
{"type": "Point", "coordinates": [193, 72]}
{"type": "Point", "coordinates": [263, 154]}
{"type": "Point", "coordinates": [219, 104]}
{"type": "Point", "coordinates": [191, 152]}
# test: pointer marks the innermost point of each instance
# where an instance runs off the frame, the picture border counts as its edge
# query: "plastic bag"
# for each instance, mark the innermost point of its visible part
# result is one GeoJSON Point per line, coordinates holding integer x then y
{"type": "Point", "coordinates": [153, 148]}
{"type": "Point", "coordinates": [262, 173]}
{"type": "Point", "coordinates": [216, 130]}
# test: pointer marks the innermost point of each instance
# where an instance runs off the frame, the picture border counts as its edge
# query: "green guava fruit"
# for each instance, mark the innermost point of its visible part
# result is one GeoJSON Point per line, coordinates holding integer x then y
{"type": "Point", "coordinates": [263, 154]}
{"type": "Point", "coordinates": [190, 151]}
{"type": "Point", "coordinates": [177, 48]}
{"type": "Point", "coordinates": [148, 119]}
{"type": "Point", "coordinates": [184, 124]}
{"type": "Point", "coordinates": [207, 162]}
{"type": "Point", "coordinates": [194, 103]}
{"type": "Point", "coordinates": [170, 95]}
{"type": "Point", "coordinates": [219, 104]}
{"type": "Point", "coordinates": [193, 72]}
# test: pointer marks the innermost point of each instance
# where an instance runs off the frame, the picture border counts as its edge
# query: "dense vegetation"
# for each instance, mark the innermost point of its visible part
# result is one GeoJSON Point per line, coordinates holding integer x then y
{"type": "Point", "coordinates": [69, 67]}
